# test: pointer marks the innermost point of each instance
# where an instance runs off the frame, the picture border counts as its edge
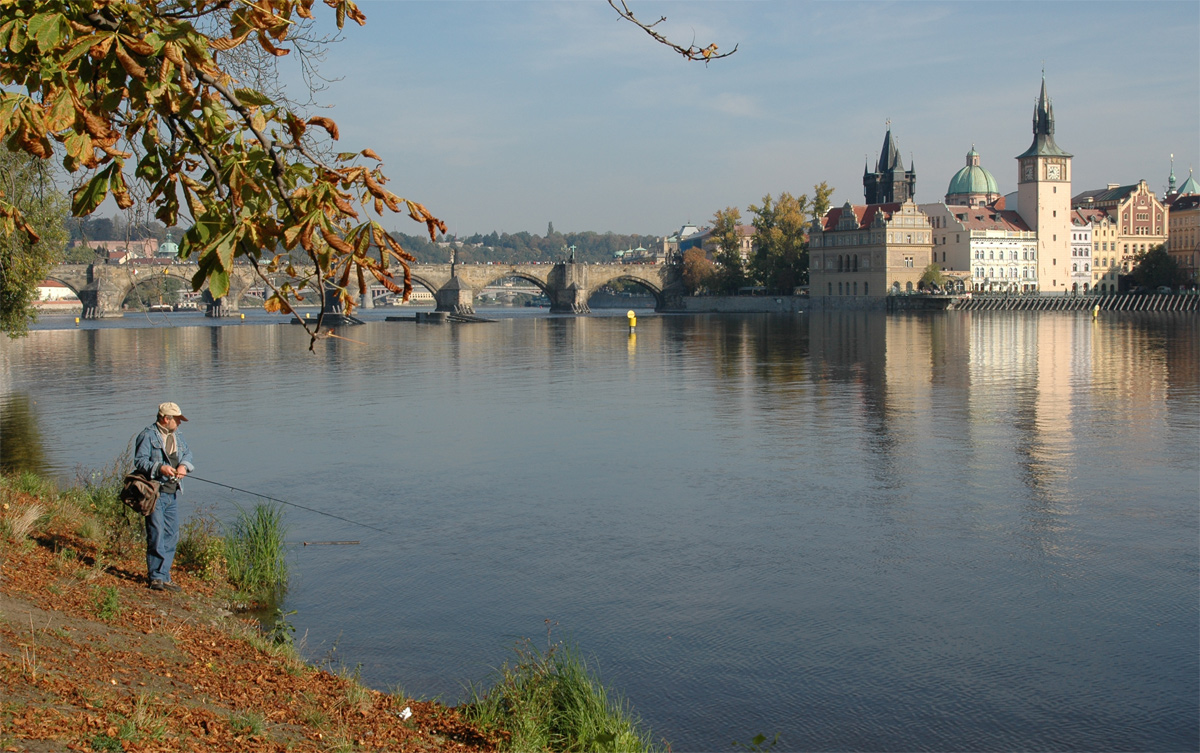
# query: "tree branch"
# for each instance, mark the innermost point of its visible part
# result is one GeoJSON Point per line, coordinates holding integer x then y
{"type": "Point", "coordinates": [691, 52]}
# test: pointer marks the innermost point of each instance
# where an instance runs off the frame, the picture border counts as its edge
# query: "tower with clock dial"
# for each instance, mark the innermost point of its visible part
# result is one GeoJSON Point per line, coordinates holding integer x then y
{"type": "Point", "coordinates": [1044, 198]}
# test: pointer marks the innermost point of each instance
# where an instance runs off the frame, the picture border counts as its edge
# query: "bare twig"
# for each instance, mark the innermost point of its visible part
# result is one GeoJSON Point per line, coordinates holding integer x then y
{"type": "Point", "coordinates": [691, 52]}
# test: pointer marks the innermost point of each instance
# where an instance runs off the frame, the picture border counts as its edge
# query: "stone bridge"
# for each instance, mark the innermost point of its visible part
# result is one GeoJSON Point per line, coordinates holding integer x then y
{"type": "Point", "coordinates": [103, 287]}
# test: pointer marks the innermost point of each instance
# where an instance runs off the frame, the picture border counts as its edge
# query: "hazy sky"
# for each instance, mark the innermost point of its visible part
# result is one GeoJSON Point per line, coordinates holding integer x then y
{"type": "Point", "coordinates": [509, 115]}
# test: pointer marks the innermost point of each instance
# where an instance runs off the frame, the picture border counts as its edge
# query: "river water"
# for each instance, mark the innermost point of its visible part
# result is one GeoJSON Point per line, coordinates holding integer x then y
{"type": "Point", "coordinates": [952, 531]}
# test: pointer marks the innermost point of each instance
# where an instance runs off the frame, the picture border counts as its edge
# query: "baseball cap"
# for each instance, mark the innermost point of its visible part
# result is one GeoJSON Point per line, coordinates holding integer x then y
{"type": "Point", "coordinates": [171, 409]}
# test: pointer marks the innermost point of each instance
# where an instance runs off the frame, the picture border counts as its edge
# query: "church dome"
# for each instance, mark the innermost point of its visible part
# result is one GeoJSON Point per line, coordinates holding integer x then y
{"type": "Point", "coordinates": [972, 182]}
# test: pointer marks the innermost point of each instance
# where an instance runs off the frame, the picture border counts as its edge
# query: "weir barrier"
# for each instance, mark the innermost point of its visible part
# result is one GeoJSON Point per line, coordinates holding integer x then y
{"type": "Point", "coordinates": [1113, 302]}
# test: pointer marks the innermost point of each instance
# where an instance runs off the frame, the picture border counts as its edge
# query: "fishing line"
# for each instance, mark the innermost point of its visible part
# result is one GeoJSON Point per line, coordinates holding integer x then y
{"type": "Point", "coordinates": [285, 502]}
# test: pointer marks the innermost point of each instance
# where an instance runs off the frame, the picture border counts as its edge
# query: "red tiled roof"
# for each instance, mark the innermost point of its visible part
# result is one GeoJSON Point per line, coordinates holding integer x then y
{"type": "Point", "coordinates": [863, 213]}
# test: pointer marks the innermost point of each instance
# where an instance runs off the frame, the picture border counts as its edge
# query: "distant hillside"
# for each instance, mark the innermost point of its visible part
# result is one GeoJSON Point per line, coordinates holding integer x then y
{"type": "Point", "coordinates": [523, 247]}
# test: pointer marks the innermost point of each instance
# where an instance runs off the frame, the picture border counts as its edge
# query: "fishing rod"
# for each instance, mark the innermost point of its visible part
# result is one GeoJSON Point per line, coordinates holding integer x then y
{"type": "Point", "coordinates": [285, 502]}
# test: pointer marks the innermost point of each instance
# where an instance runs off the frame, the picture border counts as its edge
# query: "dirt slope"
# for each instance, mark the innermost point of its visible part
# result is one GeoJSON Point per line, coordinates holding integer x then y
{"type": "Point", "coordinates": [90, 659]}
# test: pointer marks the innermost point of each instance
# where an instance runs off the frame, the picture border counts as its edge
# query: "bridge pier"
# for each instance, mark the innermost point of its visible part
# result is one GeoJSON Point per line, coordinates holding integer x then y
{"type": "Point", "coordinates": [215, 308]}
{"type": "Point", "coordinates": [100, 302]}
{"type": "Point", "coordinates": [455, 297]}
{"type": "Point", "coordinates": [570, 300]}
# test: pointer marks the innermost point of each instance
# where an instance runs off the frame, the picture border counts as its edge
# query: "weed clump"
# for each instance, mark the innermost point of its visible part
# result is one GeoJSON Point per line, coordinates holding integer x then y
{"type": "Point", "coordinates": [201, 549]}
{"type": "Point", "coordinates": [255, 553]}
{"type": "Point", "coordinates": [549, 700]}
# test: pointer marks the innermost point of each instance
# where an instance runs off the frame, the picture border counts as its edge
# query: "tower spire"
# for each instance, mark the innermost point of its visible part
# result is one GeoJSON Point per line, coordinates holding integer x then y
{"type": "Point", "coordinates": [1043, 127]}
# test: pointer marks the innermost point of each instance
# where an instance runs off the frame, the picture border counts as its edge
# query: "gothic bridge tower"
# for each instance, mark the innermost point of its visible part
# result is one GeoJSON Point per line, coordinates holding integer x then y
{"type": "Point", "coordinates": [890, 183]}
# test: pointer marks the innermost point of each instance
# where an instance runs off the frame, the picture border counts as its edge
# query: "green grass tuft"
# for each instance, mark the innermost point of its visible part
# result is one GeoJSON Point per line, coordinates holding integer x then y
{"type": "Point", "coordinates": [551, 701]}
{"type": "Point", "coordinates": [255, 555]}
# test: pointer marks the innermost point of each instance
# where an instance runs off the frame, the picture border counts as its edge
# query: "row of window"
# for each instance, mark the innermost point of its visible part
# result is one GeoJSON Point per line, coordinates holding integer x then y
{"type": "Point", "coordinates": [994, 273]}
{"type": "Point", "coordinates": [1026, 255]}
{"type": "Point", "coordinates": [866, 288]}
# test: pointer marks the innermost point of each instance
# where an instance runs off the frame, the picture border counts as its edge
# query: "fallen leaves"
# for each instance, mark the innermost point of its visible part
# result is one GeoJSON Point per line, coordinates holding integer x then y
{"type": "Point", "coordinates": [161, 676]}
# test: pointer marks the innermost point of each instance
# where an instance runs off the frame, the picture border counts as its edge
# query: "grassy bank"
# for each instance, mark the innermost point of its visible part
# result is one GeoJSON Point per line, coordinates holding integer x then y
{"type": "Point", "coordinates": [90, 659]}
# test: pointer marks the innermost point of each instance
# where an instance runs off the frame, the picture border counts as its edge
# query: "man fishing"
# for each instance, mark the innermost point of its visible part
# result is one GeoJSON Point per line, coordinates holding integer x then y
{"type": "Point", "coordinates": [160, 453]}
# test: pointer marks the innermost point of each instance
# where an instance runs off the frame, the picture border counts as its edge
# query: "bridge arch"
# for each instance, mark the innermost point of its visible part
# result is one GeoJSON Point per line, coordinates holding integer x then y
{"type": "Point", "coordinates": [71, 283]}
{"type": "Point", "coordinates": [648, 286]}
{"type": "Point", "coordinates": [538, 282]}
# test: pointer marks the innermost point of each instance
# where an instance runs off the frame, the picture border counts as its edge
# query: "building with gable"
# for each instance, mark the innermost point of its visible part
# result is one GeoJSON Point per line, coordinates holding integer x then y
{"type": "Point", "coordinates": [870, 251]}
{"type": "Point", "coordinates": [1138, 216]}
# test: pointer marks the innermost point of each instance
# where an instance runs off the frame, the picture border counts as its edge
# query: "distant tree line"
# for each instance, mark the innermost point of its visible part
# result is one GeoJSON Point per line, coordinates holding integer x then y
{"type": "Point", "coordinates": [506, 248]}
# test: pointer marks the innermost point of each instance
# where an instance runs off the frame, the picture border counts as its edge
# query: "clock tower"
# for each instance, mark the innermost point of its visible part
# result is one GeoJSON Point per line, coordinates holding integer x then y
{"type": "Point", "coordinates": [1044, 198]}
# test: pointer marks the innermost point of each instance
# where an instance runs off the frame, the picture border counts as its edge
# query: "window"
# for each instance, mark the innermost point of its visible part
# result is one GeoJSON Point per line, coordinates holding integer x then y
{"type": "Point", "coordinates": [831, 288]}
{"type": "Point", "coordinates": [866, 285]}
{"type": "Point", "coordinates": [856, 288]}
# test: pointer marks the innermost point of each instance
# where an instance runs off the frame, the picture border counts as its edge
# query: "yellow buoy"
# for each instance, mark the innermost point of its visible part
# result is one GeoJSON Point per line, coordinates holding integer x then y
{"type": "Point", "coordinates": [632, 318]}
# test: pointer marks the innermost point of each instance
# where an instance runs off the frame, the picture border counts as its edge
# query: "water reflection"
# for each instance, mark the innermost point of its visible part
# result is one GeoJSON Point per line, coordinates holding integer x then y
{"type": "Point", "coordinates": [926, 531]}
{"type": "Point", "coordinates": [20, 437]}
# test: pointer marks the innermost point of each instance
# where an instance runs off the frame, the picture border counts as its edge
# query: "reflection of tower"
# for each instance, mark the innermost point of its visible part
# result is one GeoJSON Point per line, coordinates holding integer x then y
{"type": "Point", "coordinates": [890, 183]}
{"type": "Point", "coordinates": [1044, 197]}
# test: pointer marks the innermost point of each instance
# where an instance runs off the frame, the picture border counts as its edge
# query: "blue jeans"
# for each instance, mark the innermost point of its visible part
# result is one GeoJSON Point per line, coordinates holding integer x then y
{"type": "Point", "coordinates": [162, 536]}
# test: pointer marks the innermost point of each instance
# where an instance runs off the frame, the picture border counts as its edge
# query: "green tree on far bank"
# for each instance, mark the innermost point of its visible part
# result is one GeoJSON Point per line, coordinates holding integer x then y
{"type": "Point", "coordinates": [932, 275]}
{"type": "Point", "coordinates": [730, 271]}
{"type": "Point", "coordinates": [822, 196]}
{"type": "Point", "coordinates": [1155, 268]}
{"type": "Point", "coordinates": [780, 261]}
{"type": "Point", "coordinates": [698, 271]}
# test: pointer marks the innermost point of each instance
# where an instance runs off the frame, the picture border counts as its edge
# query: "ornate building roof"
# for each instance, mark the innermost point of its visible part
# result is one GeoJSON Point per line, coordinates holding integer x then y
{"type": "Point", "coordinates": [972, 184]}
{"type": "Point", "coordinates": [1043, 129]}
{"type": "Point", "coordinates": [1189, 186]}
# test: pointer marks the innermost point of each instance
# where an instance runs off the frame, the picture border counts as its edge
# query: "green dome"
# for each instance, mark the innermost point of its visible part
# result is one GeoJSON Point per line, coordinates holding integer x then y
{"type": "Point", "coordinates": [1190, 186]}
{"type": "Point", "coordinates": [972, 178]}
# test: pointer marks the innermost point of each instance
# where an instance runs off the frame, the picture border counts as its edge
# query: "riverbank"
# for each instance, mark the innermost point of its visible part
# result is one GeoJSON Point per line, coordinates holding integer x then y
{"type": "Point", "coordinates": [90, 659]}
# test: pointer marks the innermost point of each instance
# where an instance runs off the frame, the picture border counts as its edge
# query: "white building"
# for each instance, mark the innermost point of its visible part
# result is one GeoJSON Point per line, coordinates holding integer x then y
{"type": "Point", "coordinates": [1081, 254]}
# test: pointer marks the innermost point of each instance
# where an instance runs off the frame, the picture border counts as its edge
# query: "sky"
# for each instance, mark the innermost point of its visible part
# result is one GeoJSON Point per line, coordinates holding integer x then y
{"type": "Point", "coordinates": [509, 115]}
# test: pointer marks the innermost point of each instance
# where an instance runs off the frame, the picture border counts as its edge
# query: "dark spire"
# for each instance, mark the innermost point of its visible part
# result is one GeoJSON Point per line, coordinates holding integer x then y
{"type": "Point", "coordinates": [889, 155]}
{"type": "Point", "coordinates": [1043, 128]}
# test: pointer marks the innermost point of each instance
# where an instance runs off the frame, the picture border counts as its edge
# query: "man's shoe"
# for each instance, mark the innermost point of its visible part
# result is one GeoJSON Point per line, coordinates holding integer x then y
{"type": "Point", "coordinates": [164, 585]}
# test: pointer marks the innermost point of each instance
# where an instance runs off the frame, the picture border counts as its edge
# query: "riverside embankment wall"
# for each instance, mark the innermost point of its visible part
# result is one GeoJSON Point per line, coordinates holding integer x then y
{"type": "Point", "coordinates": [790, 304]}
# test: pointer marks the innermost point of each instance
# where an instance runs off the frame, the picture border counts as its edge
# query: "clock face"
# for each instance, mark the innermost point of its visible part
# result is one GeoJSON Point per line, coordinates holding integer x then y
{"type": "Point", "coordinates": [1054, 172]}
{"type": "Point", "coordinates": [1028, 171]}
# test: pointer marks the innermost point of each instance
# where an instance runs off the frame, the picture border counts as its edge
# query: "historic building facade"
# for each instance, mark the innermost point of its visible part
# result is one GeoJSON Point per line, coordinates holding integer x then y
{"type": "Point", "coordinates": [993, 245]}
{"type": "Point", "coordinates": [975, 235]}
{"type": "Point", "coordinates": [1044, 198]}
{"type": "Point", "coordinates": [1183, 225]}
{"type": "Point", "coordinates": [870, 251]}
{"type": "Point", "coordinates": [1139, 217]}
{"type": "Point", "coordinates": [1105, 258]}
{"type": "Point", "coordinates": [1081, 254]}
